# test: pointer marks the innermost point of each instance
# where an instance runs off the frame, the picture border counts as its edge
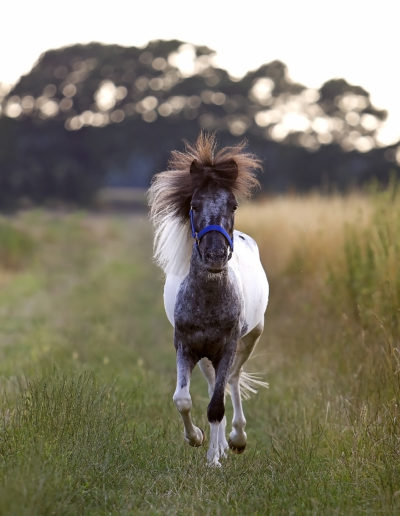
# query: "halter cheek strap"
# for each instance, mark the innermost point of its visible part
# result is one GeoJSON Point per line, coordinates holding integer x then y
{"type": "Point", "coordinates": [213, 227]}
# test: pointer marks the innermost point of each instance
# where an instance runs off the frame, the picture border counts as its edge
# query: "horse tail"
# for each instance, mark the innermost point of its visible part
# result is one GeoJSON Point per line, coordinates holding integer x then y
{"type": "Point", "coordinates": [249, 384]}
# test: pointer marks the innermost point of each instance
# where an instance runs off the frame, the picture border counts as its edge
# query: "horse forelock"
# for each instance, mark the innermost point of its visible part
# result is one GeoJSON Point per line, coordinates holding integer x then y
{"type": "Point", "coordinates": [171, 191]}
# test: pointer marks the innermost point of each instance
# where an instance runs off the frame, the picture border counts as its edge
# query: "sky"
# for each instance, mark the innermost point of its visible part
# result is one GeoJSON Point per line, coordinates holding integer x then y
{"type": "Point", "coordinates": [317, 40]}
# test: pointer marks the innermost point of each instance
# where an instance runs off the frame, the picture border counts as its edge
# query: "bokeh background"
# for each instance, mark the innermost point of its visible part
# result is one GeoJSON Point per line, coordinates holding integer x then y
{"type": "Point", "coordinates": [95, 96]}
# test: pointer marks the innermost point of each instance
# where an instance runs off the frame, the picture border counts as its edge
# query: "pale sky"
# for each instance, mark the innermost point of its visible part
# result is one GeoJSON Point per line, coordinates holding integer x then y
{"type": "Point", "coordinates": [318, 40]}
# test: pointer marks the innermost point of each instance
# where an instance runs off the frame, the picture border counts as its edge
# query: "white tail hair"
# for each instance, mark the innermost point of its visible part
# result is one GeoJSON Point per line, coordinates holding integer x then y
{"type": "Point", "coordinates": [249, 384]}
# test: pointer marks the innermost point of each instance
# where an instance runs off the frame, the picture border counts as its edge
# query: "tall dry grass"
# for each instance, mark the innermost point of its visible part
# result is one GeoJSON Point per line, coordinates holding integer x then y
{"type": "Point", "coordinates": [333, 327]}
{"type": "Point", "coordinates": [303, 232]}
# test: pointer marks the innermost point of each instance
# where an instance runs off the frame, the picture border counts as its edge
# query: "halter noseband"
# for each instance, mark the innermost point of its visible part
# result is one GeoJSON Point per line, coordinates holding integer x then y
{"type": "Point", "coordinates": [213, 227]}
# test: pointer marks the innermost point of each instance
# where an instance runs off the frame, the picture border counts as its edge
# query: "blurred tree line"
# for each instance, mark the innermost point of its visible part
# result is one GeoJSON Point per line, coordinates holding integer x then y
{"type": "Point", "coordinates": [97, 115]}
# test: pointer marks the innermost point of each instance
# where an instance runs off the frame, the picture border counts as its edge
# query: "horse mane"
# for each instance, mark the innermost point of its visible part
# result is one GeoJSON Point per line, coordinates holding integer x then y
{"type": "Point", "coordinates": [172, 190]}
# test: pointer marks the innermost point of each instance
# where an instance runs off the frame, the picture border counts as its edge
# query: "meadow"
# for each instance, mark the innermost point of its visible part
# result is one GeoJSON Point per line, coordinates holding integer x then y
{"type": "Point", "coordinates": [87, 367]}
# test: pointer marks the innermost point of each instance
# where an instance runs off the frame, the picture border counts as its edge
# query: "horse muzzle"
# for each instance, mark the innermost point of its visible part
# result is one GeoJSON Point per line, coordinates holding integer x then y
{"type": "Point", "coordinates": [215, 259]}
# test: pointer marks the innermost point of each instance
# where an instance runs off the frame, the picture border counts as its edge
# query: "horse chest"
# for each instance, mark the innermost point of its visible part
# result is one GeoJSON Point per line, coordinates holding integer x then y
{"type": "Point", "coordinates": [207, 318]}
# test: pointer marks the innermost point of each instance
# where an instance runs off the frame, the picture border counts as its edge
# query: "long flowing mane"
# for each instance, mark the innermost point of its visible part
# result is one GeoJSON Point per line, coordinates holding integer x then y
{"type": "Point", "coordinates": [171, 192]}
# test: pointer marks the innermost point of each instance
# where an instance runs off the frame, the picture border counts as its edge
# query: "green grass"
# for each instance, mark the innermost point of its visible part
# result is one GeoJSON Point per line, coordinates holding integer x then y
{"type": "Point", "coordinates": [16, 247]}
{"type": "Point", "coordinates": [87, 373]}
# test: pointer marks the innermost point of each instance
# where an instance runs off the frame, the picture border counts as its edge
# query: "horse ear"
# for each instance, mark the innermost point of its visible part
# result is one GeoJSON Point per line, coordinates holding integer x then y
{"type": "Point", "coordinates": [229, 168]}
{"type": "Point", "coordinates": [195, 167]}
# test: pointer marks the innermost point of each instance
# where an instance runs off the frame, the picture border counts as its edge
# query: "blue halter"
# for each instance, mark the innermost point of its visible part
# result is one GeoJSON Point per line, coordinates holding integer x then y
{"type": "Point", "coordinates": [198, 236]}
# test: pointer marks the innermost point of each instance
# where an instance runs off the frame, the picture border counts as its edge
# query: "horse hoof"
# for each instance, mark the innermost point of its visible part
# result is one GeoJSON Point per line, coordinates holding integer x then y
{"type": "Point", "coordinates": [196, 444]}
{"type": "Point", "coordinates": [214, 464]}
{"type": "Point", "coordinates": [202, 438]}
{"type": "Point", "coordinates": [236, 449]}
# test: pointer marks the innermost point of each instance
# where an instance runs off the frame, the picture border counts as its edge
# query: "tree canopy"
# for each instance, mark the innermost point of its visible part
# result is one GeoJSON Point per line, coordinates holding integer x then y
{"type": "Point", "coordinates": [89, 115]}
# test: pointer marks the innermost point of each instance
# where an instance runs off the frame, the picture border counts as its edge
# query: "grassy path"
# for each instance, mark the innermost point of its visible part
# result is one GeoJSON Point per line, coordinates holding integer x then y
{"type": "Point", "coordinates": [87, 372]}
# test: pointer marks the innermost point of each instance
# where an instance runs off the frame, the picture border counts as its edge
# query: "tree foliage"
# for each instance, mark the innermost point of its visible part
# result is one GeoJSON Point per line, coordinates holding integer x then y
{"type": "Point", "coordinates": [89, 115]}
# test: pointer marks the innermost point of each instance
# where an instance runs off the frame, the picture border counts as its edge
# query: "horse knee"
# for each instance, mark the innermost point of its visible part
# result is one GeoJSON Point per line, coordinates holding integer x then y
{"type": "Point", "coordinates": [183, 403]}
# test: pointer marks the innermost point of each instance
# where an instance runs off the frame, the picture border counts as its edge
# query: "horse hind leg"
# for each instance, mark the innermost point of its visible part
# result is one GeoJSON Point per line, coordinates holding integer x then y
{"type": "Point", "coordinates": [183, 401]}
{"type": "Point", "coordinates": [238, 437]}
{"type": "Point", "coordinates": [208, 371]}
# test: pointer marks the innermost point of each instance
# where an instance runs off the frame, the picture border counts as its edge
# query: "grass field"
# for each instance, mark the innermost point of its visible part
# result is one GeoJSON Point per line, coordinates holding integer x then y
{"type": "Point", "coordinates": [87, 368]}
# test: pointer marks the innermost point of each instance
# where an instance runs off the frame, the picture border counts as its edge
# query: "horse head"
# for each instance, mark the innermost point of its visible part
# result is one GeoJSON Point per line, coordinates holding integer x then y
{"type": "Point", "coordinates": [212, 211]}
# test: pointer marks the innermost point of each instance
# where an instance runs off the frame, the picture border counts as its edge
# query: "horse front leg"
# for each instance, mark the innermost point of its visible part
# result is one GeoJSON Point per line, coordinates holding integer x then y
{"type": "Point", "coordinates": [216, 408]}
{"type": "Point", "coordinates": [209, 373]}
{"type": "Point", "coordinates": [183, 402]}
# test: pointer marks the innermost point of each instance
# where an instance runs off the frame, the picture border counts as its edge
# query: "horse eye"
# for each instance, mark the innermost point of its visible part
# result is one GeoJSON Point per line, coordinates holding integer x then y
{"type": "Point", "coordinates": [234, 208]}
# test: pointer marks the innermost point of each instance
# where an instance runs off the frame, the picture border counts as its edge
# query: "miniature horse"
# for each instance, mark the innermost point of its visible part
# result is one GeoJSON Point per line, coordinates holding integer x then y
{"type": "Point", "coordinates": [216, 291]}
